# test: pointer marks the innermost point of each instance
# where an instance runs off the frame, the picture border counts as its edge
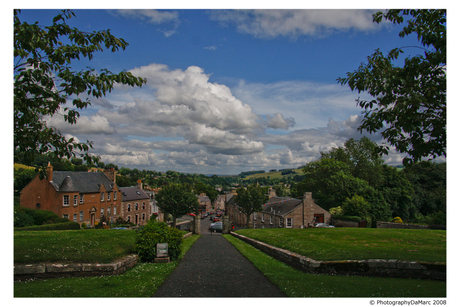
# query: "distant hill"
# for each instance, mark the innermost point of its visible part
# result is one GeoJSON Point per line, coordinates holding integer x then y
{"type": "Point", "coordinates": [273, 175]}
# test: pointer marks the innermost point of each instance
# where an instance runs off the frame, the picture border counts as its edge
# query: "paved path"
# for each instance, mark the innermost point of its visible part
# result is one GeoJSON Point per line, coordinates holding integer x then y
{"type": "Point", "coordinates": [213, 267]}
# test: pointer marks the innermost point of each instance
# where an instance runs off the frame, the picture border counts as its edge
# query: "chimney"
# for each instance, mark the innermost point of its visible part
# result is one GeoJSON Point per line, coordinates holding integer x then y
{"type": "Point", "coordinates": [308, 210]}
{"type": "Point", "coordinates": [49, 172]}
{"type": "Point", "coordinates": [139, 184]}
{"type": "Point", "coordinates": [111, 174]}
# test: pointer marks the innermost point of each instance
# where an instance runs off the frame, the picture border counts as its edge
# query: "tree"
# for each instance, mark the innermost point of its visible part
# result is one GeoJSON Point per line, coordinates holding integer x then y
{"type": "Point", "coordinates": [362, 157]}
{"type": "Point", "coordinates": [45, 84]}
{"type": "Point", "coordinates": [250, 200]}
{"type": "Point", "coordinates": [177, 200]}
{"type": "Point", "coordinates": [409, 105]}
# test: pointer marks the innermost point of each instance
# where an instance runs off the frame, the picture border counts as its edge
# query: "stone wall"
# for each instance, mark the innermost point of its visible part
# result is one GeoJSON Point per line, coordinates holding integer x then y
{"type": "Point", "coordinates": [54, 270]}
{"type": "Point", "coordinates": [400, 225]}
{"type": "Point", "coordinates": [372, 267]}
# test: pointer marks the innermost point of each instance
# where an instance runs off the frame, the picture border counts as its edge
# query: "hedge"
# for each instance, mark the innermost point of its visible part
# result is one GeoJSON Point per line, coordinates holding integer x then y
{"type": "Point", "coordinates": [347, 218]}
{"type": "Point", "coordinates": [60, 226]}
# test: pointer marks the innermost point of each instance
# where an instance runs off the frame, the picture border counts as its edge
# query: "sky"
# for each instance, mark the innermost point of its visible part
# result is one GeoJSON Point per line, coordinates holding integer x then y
{"type": "Point", "coordinates": [227, 90]}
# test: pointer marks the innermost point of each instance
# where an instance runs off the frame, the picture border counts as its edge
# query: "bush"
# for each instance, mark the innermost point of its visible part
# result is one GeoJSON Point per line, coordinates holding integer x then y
{"type": "Point", "coordinates": [153, 233]}
{"type": "Point", "coordinates": [28, 217]}
{"type": "Point", "coordinates": [397, 220]}
{"type": "Point", "coordinates": [69, 225]}
{"type": "Point", "coordinates": [347, 218]}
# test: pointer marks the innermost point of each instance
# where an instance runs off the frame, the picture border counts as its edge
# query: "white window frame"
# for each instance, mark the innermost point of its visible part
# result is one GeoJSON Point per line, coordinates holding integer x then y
{"type": "Point", "coordinates": [136, 206]}
{"type": "Point", "coordinates": [75, 217]}
{"type": "Point", "coordinates": [102, 211]}
{"type": "Point", "coordinates": [81, 215]}
{"type": "Point", "coordinates": [115, 210]}
{"type": "Point", "coordinates": [288, 222]}
{"type": "Point", "coordinates": [75, 200]}
{"type": "Point", "coordinates": [66, 200]}
{"type": "Point", "coordinates": [129, 207]}
{"type": "Point", "coordinates": [66, 216]}
{"type": "Point", "coordinates": [263, 218]}
{"type": "Point", "coordinates": [102, 196]}
{"type": "Point", "coordinates": [81, 198]}
{"type": "Point", "coordinates": [271, 219]}
{"type": "Point", "coordinates": [115, 195]}
{"type": "Point", "coordinates": [108, 211]}
{"type": "Point", "coordinates": [108, 196]}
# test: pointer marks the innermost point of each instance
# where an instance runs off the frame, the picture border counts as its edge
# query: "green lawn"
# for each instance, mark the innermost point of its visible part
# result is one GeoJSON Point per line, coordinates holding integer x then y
{"type": "Point", "coordinates": [357, 243]}
{"type": "Point", "coordinates": [141, 281]}
{"type": "Point", "coordinates": [65, 246]}
{"type": "Point", "coordinates": [295, 283]}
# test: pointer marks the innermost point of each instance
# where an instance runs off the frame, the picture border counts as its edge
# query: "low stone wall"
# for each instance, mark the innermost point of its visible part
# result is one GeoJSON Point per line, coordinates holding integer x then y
{"type": "Point", "coordinates": [400, 225]}
{"type": "Point", "coordinates": [343, 223]}
{"type": "Point", "coordinates": [54, 270]}
{"type": "Point", "coordinates": [372, 267]}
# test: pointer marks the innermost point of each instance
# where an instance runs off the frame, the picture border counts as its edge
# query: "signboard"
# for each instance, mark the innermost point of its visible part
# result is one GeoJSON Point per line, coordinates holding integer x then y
{"type": "Point", "coordinates": [162, 250]}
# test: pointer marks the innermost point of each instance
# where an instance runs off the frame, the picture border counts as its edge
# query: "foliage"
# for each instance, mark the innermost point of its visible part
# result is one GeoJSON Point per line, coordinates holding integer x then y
{"type": "Point", "coordinates": [330, 182]}
{"type": "Point", "coordinates": [177, 200]}
{"type": "Point", "coordinates": [362, 158]}
{"type": "Point", "coordinates": [295, 283]}
{"type": "Point", "coordinates": [347, 218]}
{"type": "Point", "coordinates": [336, 210]}
{"type": "Point", "coordinates": [428, 181]}
{"type": "Point", "coordinates": [26, 216]}
{"type": "Point", "coordinates": [69, 225]}
{"type": "Point", "coordinates": [409, 105]}
{"type": "Point", "coordinates": [356, 206]}
{"type": "Point", "coordinates": [153, 233]}
{"type": "Point", "coordinates": [22, 176]}
{"type": "Point", "coordinates": [397, 220]}
{"type": "Point", "coordinates": [44, 83]}
{"type": "Point", "coordinates": [250, 200]}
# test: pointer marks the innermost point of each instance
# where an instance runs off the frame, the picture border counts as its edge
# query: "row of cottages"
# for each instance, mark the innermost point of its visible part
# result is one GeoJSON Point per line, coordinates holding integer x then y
{"type": "Point", "coordinates": [85, 197]}
{"type": "Point", "coordinates": [282, 212]}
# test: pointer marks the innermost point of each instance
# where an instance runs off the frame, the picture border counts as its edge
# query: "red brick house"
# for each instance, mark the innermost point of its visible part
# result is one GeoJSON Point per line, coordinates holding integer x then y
{"type": "Point", "coordinates": [83, 197]}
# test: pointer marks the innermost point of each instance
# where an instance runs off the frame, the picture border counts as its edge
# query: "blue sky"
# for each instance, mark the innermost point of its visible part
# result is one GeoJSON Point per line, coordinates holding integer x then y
{"type": "Point", "coordinates": [227, 90]}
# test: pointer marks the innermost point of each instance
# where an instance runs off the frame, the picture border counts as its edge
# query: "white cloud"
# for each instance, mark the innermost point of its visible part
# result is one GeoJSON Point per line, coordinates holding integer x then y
{"type": "Point", "coordinates": [294, 23]}
{"type": "Point", "coordinates": [156, 17]}
{"type": "Point", "coordinates": [94, 124]}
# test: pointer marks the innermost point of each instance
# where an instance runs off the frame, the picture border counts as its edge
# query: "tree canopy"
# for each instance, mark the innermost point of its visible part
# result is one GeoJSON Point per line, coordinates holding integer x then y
{"type": "Point", "coordinates": [409, 103]}
{"type": "Point", "coordinates": [250, 200]}
{"type": "Point", "coordinates": [177, 200]}
{"type": "Point", "coordinates": [46, 85]}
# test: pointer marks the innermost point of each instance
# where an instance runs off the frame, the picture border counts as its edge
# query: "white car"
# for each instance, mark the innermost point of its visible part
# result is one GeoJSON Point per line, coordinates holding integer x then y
{"type": "Point", "coordinates": [324, 225]}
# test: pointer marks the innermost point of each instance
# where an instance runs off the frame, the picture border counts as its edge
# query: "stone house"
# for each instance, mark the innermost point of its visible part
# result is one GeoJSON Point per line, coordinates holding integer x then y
{"type": "Point", "coordinates": [282, 212]}
{"type": "Point", "coordinates": [153, 205]}
{"type": "Point", "coordinates": [83, 197]}
{"type": "Point", "coordinates": [204, 203]}
{"type": "Point", "coordinates": [135, 204]}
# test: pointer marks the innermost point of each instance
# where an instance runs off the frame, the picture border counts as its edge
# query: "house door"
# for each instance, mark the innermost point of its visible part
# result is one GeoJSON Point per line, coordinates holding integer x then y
{"type": "Point", "coordinates": [319, 218]}
{"type": "Point", "coordinates": [92, 214]}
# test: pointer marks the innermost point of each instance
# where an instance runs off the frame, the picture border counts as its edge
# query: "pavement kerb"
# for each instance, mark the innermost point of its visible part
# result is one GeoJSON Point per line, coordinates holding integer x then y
{"type": "Point", "coordinates": [371, 267]}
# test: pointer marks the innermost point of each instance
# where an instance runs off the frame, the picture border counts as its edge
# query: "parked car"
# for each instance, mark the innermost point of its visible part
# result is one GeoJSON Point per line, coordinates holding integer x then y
{"type": "Point", "coordinates": [216, 219]}
{"type": "Point", "coordinates": [216, 227]}
{"type": "Point", "coordinates": [324, 225]}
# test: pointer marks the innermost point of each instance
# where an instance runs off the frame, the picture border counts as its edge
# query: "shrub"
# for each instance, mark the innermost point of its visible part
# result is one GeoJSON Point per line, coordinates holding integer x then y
{"type": "Point", "coordinates": [397, 220]}
{"type": "Point", "coordinates": [83, 225]}
{"type": "Point", "coordinates": [347, 218]}
{"type": "Point", "coordinates": [153, 233]}
{"type": "Point", "coordinates": [28, 217]}
{"type": "Point", "coordinates": [69, 225]}
{"type": "Point", "coordinates": [336, 211]}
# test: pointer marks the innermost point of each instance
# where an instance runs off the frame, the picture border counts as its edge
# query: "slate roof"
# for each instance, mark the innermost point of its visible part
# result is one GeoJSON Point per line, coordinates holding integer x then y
{"type": "Point", "coordinates": [132, 194]}
{"type": "Point", "coordinates": [82, 182]}
{"type": "Point", "coordinates": [280, 205]}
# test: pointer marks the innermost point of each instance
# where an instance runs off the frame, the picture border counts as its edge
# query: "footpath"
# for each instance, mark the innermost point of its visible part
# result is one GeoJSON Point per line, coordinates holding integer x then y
{"type": "Point", "coordinates": [213, 267]}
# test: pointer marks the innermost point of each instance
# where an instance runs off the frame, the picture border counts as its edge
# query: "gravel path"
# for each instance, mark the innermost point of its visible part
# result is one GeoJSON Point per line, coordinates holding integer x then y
{"type": "Point", "coordinates": [213, 267]}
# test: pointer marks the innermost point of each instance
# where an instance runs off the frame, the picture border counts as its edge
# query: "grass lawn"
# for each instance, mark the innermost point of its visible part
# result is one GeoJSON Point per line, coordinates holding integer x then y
{"type": "Point", "coordinates": [295, 283]}
{"type": "Point", "coordinates": [357, 243]}
{"type": "Point", "coordinates": [66, 246]}
{"type": "Point", "coordinates": [141, 281]}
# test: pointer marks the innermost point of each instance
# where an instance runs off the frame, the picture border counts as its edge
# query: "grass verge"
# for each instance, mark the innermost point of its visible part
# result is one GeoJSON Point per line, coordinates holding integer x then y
{"type": "Point", "coordinates": [141, 281]}
{"type": "Point", "coordinates": [356, 243]}
{"type": "Point", "coordinates": [82, 246]}
{"type": "Point", "coordinates": [295, 283]}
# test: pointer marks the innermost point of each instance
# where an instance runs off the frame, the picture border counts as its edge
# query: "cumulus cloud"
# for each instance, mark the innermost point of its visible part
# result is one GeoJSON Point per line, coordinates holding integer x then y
{"type": "Point", "coordinates": [94, 124]}
{"type": "Point", "coordinates": [294, 23]}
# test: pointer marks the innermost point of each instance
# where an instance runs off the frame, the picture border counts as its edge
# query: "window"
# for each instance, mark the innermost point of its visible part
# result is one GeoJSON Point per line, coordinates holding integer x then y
{"type": "Point", "coordinates": [115, 195]}
{"type": "Point", "coordinates": [114, 210]}
{"type": "Point", "coordinates": [75, 200]}
{"type": "Point", "coordinates": [143, 216]}
{"type": "Point", "coordinates": [136, 206]}
{"type": "Point", "coordinates": [108, 211]}
{"type": "Point", "coordinates": [129, 207]}
{"type": "Point", "coordinates": [102, 211]}
{"type": "Point", "coordinates": [81, 215]}
{"type": "Point", "coordinates": [66, 200]}
{"type": "Point", "coordinates": [280, 222]}
{"type": "Point", "coordinates": [66, 216]}
{"type": "Point", "coordinates": [271, 219]}
{"type": "Point", "coordinates": [129, 219]}
{"type": "Point", "coordinates": [74, 217]}
{"type": "Point", "coordinates": [102, 196]}
{"type": "Point", "coordinates": [108, 195]}
{"type": "Point", "coordinates": [263, 218]}
{"type": "Point", "coordinates": [289, 222]}
{"type": "Point", "coordinates": [81, 198]}
{"type": "Point", "coordinates": [143, 206]}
